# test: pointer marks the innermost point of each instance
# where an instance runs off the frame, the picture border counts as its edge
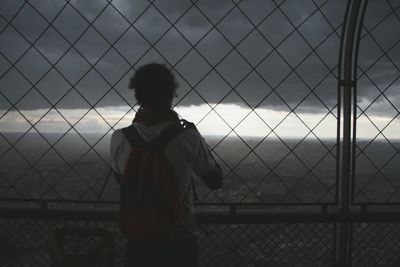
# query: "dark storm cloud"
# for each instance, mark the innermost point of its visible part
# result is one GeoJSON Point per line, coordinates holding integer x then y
{"type": "Point", "coordinates": [261, 86]}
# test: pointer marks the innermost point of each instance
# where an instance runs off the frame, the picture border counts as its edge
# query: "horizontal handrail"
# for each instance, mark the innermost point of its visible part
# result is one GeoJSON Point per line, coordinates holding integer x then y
{"type": "Point", "coordinates": [211, 216]}
{"type": "Point", "coordinates": [99, 202]}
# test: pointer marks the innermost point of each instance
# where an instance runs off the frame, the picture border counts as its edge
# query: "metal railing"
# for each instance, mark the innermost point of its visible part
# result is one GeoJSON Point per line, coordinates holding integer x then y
{"type": "Point", "coordinates": [329, 227]}
{"type": "Point", "coordinates": [231, 237]}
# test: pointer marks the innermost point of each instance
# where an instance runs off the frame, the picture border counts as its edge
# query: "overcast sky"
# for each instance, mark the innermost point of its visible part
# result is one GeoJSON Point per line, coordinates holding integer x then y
{"type": "Point", "coordinates": [213, 47]}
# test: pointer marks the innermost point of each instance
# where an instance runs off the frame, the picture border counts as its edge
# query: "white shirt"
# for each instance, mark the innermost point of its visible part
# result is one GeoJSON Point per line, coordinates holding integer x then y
{"type": "Point", "coordinates": [187, 155]}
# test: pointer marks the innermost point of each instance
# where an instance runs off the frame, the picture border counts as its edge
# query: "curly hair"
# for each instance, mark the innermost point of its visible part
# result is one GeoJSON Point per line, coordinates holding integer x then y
{"type": "Point", "coordinates": [154, 85]}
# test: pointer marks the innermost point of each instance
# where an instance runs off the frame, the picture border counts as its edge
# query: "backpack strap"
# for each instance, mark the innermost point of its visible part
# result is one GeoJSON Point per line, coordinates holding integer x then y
{"type": "Point", "coordinates": [187, 124]}
{"type": "Point", "coordinates": [171, 132]}
{"type": "Point", "coordinates": [133, 137]}
{"type": "Point", "coordinates": [166, 136]}
{"type": "Point", "coordinates": [190, 125]}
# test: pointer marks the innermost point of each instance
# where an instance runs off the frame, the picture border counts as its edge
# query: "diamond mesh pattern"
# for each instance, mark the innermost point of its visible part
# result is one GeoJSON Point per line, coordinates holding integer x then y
{"type": "Point", "coordinates": [50, 154]}
{"type": "Point", "coordinates": [92, 246]}
{"type": "Point", "coordinates": [377, 110]}
{"type": "Point", "coordinates": [268, 245]}
{"type": "Point", "coordinates": [86, 39]}
{"type": "Point", "coordinates": [376, 244]}
{"type": "Point", "coordinates": [26, 243]}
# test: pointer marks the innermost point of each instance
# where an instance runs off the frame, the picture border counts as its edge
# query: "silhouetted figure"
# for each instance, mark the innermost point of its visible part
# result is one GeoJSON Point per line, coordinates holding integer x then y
{"type": "Point", "coordinates": [154, 160]}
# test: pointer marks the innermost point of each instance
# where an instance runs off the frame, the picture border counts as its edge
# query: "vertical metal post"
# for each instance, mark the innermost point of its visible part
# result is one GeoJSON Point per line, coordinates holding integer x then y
{"type": "Point", "coordinates": [347, 82]}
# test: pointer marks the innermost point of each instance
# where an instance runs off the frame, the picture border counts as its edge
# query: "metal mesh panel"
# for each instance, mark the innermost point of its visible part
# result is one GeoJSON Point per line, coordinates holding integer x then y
{"type": "Point", "coordinates": [376, 244]}
{"type": "Point", "coordinates": [25, 242]}
{"type": "Point", "coordinates": [253, 59]}
{"type": "Point", "coordinates": [81, 246]}
{"type": "Point", "coordinates": [377, 109]}
{"type": "Point", "coordinates": [278, 59]}
{"type": "Point", "coordinates": [268, 245]}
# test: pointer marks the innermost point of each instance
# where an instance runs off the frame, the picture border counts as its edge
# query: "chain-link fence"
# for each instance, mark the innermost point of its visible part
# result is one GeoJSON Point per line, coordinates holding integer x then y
{"type": "Point", "coordinates": [377, 105]}
{"type": "Point", "coordinates": [67, 67]}
{"type": "Point", "coordinates": [259, 79]}
{"type": "Point", "coordinates": [234, 244]}
{"type": "Point", "coordinates": [224, 245]}
{"type": "Point", "coordinates": [375, 244]}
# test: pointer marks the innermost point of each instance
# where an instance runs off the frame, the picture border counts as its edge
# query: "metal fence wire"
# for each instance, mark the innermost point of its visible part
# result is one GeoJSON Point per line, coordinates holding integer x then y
{"type": "Point", "coordinates": [64, 70]}
{"type": "Point", "coordinates": [246, 57]}
{"type": "Point", "coordinates": [282, 244]}
{"type": "Point", "coordinates": [228, 245]}
{"type": "Point", "coordinates": [375, 243]}
{"type": "Point", "coordinates": [376, 108]}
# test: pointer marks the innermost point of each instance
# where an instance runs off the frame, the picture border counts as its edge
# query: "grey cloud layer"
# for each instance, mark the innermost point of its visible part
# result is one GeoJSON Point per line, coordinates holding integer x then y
{"type": "Point", "coordinates": [265, 80]}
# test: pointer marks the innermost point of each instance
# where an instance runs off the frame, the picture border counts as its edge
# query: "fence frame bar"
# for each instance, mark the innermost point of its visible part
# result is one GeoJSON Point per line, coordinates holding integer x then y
{"type": "Point", "coordinates": [218, 216]}
{"type": "Point", "coordinates": [347, 85]}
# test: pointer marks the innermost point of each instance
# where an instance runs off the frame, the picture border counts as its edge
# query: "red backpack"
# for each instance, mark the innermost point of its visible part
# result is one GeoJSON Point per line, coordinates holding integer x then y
{"type": "Point", "coordinates": [151, 205]}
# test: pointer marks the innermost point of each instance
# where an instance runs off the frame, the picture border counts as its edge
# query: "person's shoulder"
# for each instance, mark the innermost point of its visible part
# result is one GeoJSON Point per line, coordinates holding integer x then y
{"type": "Point", "coordinates": [117, 133]}
{"type": "Point", "coordinates": [116, 137]}
{"type": "Point", "coordinates": [191, 134]}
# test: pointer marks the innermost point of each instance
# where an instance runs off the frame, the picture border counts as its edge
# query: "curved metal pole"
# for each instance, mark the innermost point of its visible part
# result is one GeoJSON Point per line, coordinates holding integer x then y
{"type": "Point", "coordinates": [355, 75]}
{"type": "Point", "coordinates": [346, 85]}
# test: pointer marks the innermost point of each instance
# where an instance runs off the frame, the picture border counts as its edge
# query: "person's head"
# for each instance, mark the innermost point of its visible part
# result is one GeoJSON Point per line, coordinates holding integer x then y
{"type": "Point", "coordinates": [154, 86]}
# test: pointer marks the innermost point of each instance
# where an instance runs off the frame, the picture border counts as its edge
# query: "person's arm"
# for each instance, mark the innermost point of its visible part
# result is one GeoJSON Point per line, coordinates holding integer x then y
{"type": "Point", "coordinates": [206, 166]}
{"type": "Point", "coordinates": [213, 179]}
{"type": "Point", "coordinates": [114, 145]}
{"type": "Point", "coordinates": [117, 176]}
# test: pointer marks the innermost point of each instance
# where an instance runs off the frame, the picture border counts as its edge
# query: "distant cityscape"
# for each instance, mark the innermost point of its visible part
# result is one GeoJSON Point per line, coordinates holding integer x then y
{"type": "Point", "coordinates": [266, 172]}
